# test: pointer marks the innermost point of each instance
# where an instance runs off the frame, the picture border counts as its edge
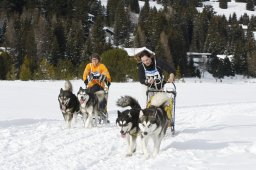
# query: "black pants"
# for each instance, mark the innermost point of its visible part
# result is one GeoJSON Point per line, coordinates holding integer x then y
{"type": "Point", "coordinates": [96, 88]}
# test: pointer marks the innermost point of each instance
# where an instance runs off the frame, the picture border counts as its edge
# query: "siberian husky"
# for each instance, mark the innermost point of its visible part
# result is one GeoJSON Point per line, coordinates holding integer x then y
{"type": "Point", "coordinates": [69, 104]}
{"type": "Point", "coordinates": [127, 121]}
{"type": "Point", "coordinates": [153, 123]}
{"type": "Point", "coordinates": [90, 107]}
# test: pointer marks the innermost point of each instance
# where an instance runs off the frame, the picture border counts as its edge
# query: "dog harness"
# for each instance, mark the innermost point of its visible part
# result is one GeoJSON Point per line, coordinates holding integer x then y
{"type": "Point", "coordinates": [153, 74]}
{"type": "Point", "coordinates": [134, 132]}
{"type": "Point", "coordinates": [96, 74]}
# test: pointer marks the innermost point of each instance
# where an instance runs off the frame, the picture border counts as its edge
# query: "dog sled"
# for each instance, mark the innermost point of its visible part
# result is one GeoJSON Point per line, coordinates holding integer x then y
{"type": "Point", "coordinates": [170, 90]}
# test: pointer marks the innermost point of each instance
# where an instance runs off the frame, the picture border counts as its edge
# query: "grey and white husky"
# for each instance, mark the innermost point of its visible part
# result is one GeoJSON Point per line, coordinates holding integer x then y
{"type": "Point", "coordinates": [68, 102]}
{"type": "Point", "coordinates": [90, 107]}
{"type": "Point", "coordinates": [128, 120]}
{"type": "Point", "coordinates": [153, 123]}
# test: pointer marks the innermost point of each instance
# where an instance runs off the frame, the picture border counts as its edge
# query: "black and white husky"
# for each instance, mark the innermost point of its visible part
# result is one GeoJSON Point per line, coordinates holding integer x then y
{"type": "Point", "coordinates": [90, 107]}
{"type": "Point", "coordinates": [153, 123]}
{"type": "Point", "coordinates": [127, 121]}
{"type": "Point", "coordinates": [69, 104]}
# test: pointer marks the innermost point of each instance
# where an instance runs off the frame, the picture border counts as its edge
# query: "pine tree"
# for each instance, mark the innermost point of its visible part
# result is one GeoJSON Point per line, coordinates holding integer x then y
{"type": "Point", "coordinates": [134, 6]}
{"type": "Point", "coordinates": [14, 5]}
{"type": "Point", "coordinates": [42, 37]}
{"type": "Point", "coordinates": [191, 68]}
{"type": "Point", "coordinates": [122, 25]}
{"type": "Point", "coordinates": [178, 73]}
{"type": "Point", "coordinates": [200, 29]}
{"type": "Point", "coordinates": [166, 55]}
{"type": "Point", "coordinates": [250, 5]}
{"type": "Point", "coordinates": [245, 19]}
{"type": "Point", "coordinates": [223, 4]}
{"type": "Point", "coordinates": [5, 65]}
{"type": "Point", "coordinates": [143, 17]}
{"type": "Point", "coordinates": [217, 68]}
{"type": "Point", "coordinates": [75, 42]}
{"type": "Point", "coordinates": [25, 71]}
{"type": "Point", "coordinates": [2, 33]}
{"type": "Point", "coordinates": [28, 42]}
{"type": "Point", "coordinates": [240, 58]}
{"type": "Point", "coordinates": [252, 23]}
{"type": "Point", "coordinates": [97, 36]}
{"type": "Point", "coordinates": [45, 71]}
{"type": "Point", "coordinates": [111, 11]}
{"type": "Point", "coordinates": [217, 36]}
{"type": "Point", "coordinates": [140, 37]}
{"type": "Point", "coordinates": [178, 50]}
{"type": "Point", "coordinates": [65, 70]}
{"type": "Point", "coordinates": [227, 67]}
{"type": "Point", "coordinates": [155, 26]}
{"type": "Point", "coordinates": [251, 53]}
{"type": "Point", "coordinates": [58, 43]}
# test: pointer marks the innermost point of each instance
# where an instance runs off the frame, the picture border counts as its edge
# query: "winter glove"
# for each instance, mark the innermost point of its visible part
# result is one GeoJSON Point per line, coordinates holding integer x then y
{"type": "Point", "coordinates": [150, 80]}
{"type": "Point", "coordinates": [171, 78]}
{"type": "Point", "coordinates": [86, 82]}
{"type": "Point", "coordinates": [108, 83]}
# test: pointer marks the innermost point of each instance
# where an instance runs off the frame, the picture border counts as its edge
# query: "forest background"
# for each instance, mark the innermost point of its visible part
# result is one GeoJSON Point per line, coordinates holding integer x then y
{"type": "Point", "coordinates": [53, 39]}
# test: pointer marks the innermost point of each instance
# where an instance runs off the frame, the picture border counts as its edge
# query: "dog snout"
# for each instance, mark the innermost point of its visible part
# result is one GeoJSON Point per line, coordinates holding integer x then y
{"type": "Point", "coordinates": [122, 132]}
{"type": "Point", "coordinates": [145, 133]}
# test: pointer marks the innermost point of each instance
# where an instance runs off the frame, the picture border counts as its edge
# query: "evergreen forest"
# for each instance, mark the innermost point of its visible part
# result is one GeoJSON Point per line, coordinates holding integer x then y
{"type": "Point", "coordinates": [53, 39]}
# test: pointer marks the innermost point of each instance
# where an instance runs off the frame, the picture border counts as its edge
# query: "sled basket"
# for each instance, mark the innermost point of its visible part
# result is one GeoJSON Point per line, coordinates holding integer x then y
{"type": "Point", "coordinates": [172, 95]}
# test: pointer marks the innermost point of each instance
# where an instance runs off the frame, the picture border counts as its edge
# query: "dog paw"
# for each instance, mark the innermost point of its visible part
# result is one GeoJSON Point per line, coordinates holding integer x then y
{"type": "Point", "coordinates": [146, 156]}
{"type": "Point", "coordinates": [128, 155]}
{"type": "Point", "coordinates": [154, 154]}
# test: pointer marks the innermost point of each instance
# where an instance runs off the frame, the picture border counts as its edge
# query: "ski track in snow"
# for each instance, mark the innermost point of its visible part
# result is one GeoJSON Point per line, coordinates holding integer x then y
{"type": "Point", "coordinates": [205, 138]}
{"type": "Point", "coordinates": [48, 143]}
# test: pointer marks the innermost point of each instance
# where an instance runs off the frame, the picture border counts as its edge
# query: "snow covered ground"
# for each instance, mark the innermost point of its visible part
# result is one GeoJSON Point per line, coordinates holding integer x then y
{"type": "Point", "coordinates": [215, 123]}
{"type": "Point", "coordinates": [152, 4]}
{"type": "Point", "coordinates": [239, 8]}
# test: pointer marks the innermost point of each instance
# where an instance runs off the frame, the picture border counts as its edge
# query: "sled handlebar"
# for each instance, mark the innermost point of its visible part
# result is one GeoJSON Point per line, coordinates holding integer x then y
{"type": "Point", "coordinates": [165, 91]}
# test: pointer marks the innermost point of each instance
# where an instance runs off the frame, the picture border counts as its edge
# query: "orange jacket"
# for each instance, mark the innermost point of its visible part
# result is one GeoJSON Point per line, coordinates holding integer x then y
{"type": "Point", "coordinates": [98, 69]}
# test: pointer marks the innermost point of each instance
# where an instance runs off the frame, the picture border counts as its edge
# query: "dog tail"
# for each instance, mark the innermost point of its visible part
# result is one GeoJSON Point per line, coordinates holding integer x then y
{"type": "Point", "coordinates": [68, 86]}
{"type": "Point", "coordinates": [125, 101]}
{"type": "Point", "coordinates": [159, 99]}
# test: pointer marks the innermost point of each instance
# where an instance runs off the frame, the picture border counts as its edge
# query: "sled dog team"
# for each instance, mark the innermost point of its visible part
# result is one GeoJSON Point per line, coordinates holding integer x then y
{"type": "Point", "coordinates": [86, 103]}
{"type": "Point", "coordinates": [151, 122]}
{"type": "Point", "coordinates": [90, 103]}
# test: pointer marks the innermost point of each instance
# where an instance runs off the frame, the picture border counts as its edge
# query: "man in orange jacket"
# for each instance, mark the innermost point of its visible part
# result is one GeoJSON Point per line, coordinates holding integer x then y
{"type": "Point", "coordinates": [96, 75]}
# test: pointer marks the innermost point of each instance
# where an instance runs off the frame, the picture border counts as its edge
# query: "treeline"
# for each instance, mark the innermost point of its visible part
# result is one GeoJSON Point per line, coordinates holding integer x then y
{"type": "Point", "coordinates": [250, 4]}
{"type": "Point", "coordinates": [53, 39]}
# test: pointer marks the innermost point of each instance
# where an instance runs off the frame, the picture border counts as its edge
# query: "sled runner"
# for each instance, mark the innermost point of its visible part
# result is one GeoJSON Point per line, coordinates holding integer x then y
{"type": "Point", "coordinates": [170, 107]}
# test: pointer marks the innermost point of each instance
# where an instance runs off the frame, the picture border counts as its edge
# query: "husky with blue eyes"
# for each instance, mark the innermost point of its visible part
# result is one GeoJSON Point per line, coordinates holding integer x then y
{"type": "Point", "coordinates": [153, 123]}
{"type": "Point", "coordinates": [127, 121]}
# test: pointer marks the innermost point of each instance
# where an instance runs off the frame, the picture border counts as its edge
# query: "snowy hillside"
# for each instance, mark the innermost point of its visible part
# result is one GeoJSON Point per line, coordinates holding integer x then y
{"type": "Point", "coordinates": [141, 4]}
{"type": "Point", "coordinates": [233, 7]}
{"type": "Point", "coordinates": [215, 125]}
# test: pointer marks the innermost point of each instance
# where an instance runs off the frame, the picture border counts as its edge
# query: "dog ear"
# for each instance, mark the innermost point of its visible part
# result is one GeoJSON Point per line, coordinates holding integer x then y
{"type": "Point", "coordinates": [141, 114]}
{"type": "Point", "coordinates": [61, 90]}
{"type": "Point", "coordinates": [80, 88]}
{"type": "Point", "coordinates": [155, 113]}
{"type": "Point", "coordinates": [129, 114]}
{"type": "Point", "coordinates": [118, 113]}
